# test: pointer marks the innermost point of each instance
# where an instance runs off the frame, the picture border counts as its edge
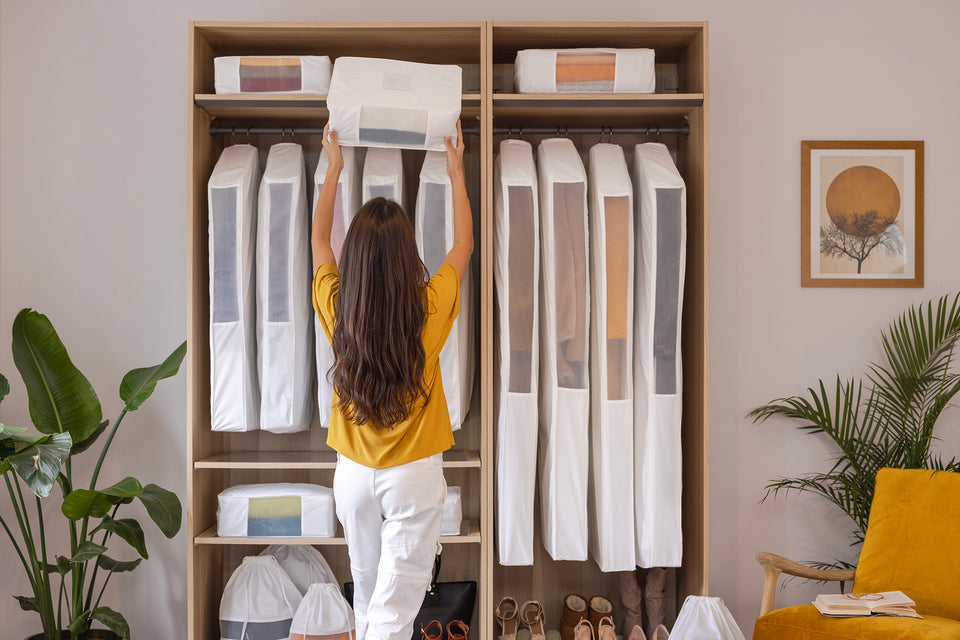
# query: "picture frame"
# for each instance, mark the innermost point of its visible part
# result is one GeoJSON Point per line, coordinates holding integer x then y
{"type": "Point", "coordinates": [861, 213]}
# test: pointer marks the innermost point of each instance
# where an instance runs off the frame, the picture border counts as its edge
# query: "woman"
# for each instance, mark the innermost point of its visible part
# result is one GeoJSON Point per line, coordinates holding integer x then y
{"type": "Point", "coordinates": [389, 421]}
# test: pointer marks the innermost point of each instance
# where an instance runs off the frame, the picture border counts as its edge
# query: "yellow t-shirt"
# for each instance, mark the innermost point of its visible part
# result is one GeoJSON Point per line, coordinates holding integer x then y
{"type": "Point", "coordinates": [426, 430]}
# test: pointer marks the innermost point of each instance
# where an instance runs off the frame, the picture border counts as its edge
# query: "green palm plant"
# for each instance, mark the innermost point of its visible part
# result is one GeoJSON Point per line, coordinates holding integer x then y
{"type": "Point", "coordinates": [888, 420]}
{"type": "Point", "coordinates": [66, 412]}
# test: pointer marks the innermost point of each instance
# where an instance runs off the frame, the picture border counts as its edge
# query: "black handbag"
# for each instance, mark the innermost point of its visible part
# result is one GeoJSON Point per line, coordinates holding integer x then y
{"type": "Point", "coordinates": [444, 601]}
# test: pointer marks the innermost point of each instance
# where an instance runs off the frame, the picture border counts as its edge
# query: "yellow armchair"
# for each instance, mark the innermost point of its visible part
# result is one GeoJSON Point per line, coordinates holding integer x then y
{"type": "Point", "coordinates": [912, 544]}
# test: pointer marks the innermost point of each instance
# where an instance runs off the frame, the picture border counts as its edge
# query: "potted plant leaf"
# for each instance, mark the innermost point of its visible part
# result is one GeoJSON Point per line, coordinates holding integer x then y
{"type": "Point", "coordinates": [67, 586]}
{"type": "Point", "coordinates": [886, 421]}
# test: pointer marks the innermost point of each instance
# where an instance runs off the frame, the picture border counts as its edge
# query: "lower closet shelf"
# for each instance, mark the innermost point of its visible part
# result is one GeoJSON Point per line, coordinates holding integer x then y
{"type": "Point", "coordinates": [452, 459]}
{"type": "Point", "coordinates": [469, 534]}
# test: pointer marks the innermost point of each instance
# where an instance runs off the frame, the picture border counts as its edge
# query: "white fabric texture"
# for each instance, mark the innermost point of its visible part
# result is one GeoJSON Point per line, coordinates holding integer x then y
{"type": "Point", "coordinates": [303, 563]}
{"type": "Point", "coordinates": [284, 311]}
{"type": "Point", "coordinates": [433, 230]}
{"type": "Point", "coordinates": [391, 520]}
{"type": "Point", "coordinates": [516, 271]}
{"type": "Point", "coordinates": [324, 614]}
{"type": "Point", "coordinates": [345, 206]}
{"type": "Point", "coordinates": [258, 602]}
{"type": "Point", "coordinates": [312, 74]}
{"type": "Point", "coordinates": [661, 256]}
{"type": "Point", "coordinates": [705, 618]}
{"type": "Point", "coordinates": [611, 361]}
{"type": "Point", "coordinates": [535, 71]}
{"type": "Point", "coordinates": [452, 513]}
{"type": "Point", "coordinates": [232, 199]}
{"type": "Point", "coordinates": [276, 509]}
{"type": "Point", "coordinates": [383, 176]}
{"type": "Point", "coordinates": [564, 334]}
{"type": "Point", "coordinates": [377, 102]}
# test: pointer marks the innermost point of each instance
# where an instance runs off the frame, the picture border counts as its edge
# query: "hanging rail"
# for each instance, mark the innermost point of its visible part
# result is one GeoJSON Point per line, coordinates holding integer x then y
{"type": "Point", "coordinates": [683, 130]}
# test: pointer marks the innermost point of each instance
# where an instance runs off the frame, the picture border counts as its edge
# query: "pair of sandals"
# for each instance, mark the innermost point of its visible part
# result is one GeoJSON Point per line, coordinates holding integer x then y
{"type": "Point", "coordinates": [606, 630]}
{"type": "Point", "coordinates": [456, 630]}
{"type": "Point", "coordinates": [510, 616]}
{"type": "Point", "coordinates": [660, 633]}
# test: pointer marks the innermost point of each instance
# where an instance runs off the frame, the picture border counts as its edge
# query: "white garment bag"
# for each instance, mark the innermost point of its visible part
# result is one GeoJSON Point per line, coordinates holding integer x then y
{"type": "Point", "coordinates": [383, 176]}
{"type": "Point", "coordinates": [704, 618]}
{"type": "Point", "coordinates": [661, 255]}
{"type": "Point", "coordinates": [433, 229]}
{"type": "Point", "coordinates": [564, 337]}
{"type": "Point", "coordinates": [232, 203]}
{"type": "Point", "coordinates": [516, 272]}
{"type": "Point", "coordinates": [324, 614]}
{"type": "Point", "coordinates": [284, 311]}
{"type": "Point", "coordinates": [344, 208]}
{"type": "Point", "coordinates": [376, 102]}
{"type": "Point", "coordinates": [611, 361]}
{"type": "Point", "coordinates": [303, 563]}
{"type": "Point", "coordinates": [258, 602]}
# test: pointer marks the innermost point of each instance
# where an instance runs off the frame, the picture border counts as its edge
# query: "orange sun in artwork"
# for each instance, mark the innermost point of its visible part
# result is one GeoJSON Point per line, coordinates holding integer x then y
{"type": "Point", "coordinates": [858, 190]}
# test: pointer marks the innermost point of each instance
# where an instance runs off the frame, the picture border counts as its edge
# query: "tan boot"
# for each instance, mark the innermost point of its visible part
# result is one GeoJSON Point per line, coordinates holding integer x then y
{"type": "Point", "coordinates": [574, 610]}
{"type": "Point", "coordinates": [655, 599]}
{"type": "Point", "coordinates": [631, 595]}
{"type": "Point", "coordinates": [599, 607]}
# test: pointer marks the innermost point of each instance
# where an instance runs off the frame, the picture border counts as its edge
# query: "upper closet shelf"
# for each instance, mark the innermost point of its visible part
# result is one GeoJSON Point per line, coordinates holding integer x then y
{"type": "Point", "coordinates": [283, 106]}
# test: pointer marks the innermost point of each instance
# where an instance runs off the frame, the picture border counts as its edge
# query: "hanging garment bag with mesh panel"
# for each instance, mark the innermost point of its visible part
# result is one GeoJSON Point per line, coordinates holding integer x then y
{"type": "Point", "coordinates": [564, 334]}
{"type": "Point", "coordinates": [383, 176]}
{"type": "Point", "coordinates": [661, 204]}
{"type": "Point", "coordinates": [232, 202]}
{"type": "Point", "coordinates": [516, 270]}
{"type": "Point", "coordinates": [611, 359]}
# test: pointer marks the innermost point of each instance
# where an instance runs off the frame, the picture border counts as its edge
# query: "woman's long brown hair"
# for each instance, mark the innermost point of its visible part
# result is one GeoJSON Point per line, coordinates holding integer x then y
{"type": "Point", "coordinates": [377, 344]}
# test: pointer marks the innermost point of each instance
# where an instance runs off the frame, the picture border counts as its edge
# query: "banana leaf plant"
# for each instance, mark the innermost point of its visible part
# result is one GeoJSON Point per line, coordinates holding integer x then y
{"type": "Point", "coordinates": [887, 420]}
{"type": "Point", "coordinates": [67, 586]}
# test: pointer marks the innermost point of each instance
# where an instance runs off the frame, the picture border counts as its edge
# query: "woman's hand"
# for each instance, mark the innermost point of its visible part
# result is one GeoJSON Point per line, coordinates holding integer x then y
{"type": "Point", "coordinates": [332, 146]}
{"type": "Point", "coordinates": [455, 154]}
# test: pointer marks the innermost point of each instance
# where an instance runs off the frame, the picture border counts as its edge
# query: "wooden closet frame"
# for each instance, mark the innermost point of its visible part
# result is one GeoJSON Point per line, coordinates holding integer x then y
{"type": "Point", "coordinates": [218, 460]}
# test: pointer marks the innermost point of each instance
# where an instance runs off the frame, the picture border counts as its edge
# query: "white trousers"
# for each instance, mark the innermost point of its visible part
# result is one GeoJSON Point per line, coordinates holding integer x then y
{"type": "Point", "coordinates": [391, 520]}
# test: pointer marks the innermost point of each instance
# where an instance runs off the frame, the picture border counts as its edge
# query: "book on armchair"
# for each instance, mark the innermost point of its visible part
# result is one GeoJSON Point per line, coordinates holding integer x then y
{"type": "Point", "coordinates": [887, 603]}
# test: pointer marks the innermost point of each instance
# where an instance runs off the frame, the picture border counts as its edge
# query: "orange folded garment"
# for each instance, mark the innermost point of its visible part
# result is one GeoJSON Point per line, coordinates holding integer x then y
{"type": "Point", "coordinates": [586, 72]}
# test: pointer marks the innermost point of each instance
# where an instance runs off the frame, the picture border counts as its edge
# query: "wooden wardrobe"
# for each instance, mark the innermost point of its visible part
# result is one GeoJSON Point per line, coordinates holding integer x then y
{"type": "Point", "coordinates": [486, 52]}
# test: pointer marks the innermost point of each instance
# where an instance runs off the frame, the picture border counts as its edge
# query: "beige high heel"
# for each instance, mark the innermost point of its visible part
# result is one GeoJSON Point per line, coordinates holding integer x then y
{"type": "Point", "coordinates": [507, 619]}
{"type": "Point", "coordinates": [637, 633]}
{"type": "Point", "coordinates": [660, 633]}
{"type": "Point", "coordinates": [583, 630]}
{"type": "Point", "coordinates": [531, 615]}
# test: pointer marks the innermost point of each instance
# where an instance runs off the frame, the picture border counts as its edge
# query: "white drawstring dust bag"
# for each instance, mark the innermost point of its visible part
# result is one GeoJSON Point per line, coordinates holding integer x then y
{"type": "Point", "coordinates": [661, 255]}
{"type": "Point", "coordinates": [564, 343]}
{"type": "Point", "coordinates": [585, 71]}
{"type": "Point", "coordinates": [516, 272]}
{"type": "Point", "coordinates": [284, 311]}
{"type": "Point", "coordinates": [271, 74]}
{"type": "Point", "coordinates": [345, 206]}
{"type": "Point", "coordinates": [376, 102]}
{"type": "Point", "coordinates": [433, 229]}
{"type": "Point", "coordinates": [383, 176]}
{"type": "Point", "coordinates": [232, 204]}
{"type": "Point", "coordinates": [302, 563]}
{"type": "Point", "coordinates": [258, 602]}
{"type": "Point", "coordinates": [704, 618]}
{"type": "Point", "coordinates": [280, 509]}
{"type": "Point", "coordinates": [324, 614]}
{"type": "Point", "coordinates": [611, 359]}
{"type": "Point", "coordinates": [452, 513]}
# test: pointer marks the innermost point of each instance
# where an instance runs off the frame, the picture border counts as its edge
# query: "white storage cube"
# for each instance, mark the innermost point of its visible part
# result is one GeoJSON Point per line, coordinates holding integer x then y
{"type": "Point", "coordinates": [259, 601]}
{"type": "Point", "coordinates": [516, 272]}
{"type": "Point", "coordinates": [376, 102]}
{"type": "Point", "coordinates": [383, 176]}
{"type": "Point", "coordinates": [452, 513]}
{"type": "Point", "coordinates": [232, 203]}
{"type": "Point", "coordinates": [272, 74]}
{"type": "Point", "coordinates": [585, 71]}
{"type": "Point", "coordinates": [279, 509]}
{"type": "Point", "coordinates": [611, 359]}
{"type": "Point", "coordinates": [661, 204]}
{"type": "Point", "coordinates": [345, 206]}
{"type": "Point", "coordinates": [564, 347]}
{"type": "Point", "coordinates": [284, 311]}
{"type": "Point", "coordinates": [433, 229]}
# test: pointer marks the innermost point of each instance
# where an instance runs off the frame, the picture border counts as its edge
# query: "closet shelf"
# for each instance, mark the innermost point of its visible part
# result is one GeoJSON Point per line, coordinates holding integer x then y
{"type": "Point", "coordinates": [552, 109]}
{"type": "Point", "coordinates": [469, 534]}
{"type": "Point", "coordinates": [310, 460]}
{"type": "Point", "coordinates": [286, 106]}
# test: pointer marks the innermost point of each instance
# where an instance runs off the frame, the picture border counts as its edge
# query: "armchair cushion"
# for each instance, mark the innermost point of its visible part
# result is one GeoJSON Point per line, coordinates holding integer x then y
{"type": "Point", "coordinates": [912, 541]}
{"type": "Point", "coordinates": [804, 622]}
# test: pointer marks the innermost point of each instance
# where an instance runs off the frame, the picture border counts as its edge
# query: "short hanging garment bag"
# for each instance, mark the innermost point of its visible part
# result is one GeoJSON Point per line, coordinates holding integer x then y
{"type": "Point", "coordinates": [611, 359]}
{"type": "Point", "coordinates": [516, 270]}
{"type": "Point", "coordinates": [344, 208]}
{"type": "Point", "coordinates": [564, 334]}
{"type": "Point", "coordinates": [661, 254]}
{"type": "Point", "coordinates": [284, 312]}
{"type": "Point", "coordinates": [433, 227]}
{"type": "Point", "coordinates": [232, 203]}
{"type": "Point", "coordinates": [383, 175]}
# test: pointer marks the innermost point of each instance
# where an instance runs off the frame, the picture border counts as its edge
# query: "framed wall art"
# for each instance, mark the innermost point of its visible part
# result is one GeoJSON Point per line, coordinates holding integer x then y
{"type": "Point", "coordinates": [861, 208]}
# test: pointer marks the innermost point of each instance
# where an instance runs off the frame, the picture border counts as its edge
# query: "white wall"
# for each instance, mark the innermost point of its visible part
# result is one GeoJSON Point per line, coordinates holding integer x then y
{"type": "Point", "coordinates": [93, 229]}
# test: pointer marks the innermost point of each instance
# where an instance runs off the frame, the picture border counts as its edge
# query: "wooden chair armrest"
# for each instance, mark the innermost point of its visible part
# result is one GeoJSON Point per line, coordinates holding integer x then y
{"type": "Point", "coordinates": [773, 565]}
